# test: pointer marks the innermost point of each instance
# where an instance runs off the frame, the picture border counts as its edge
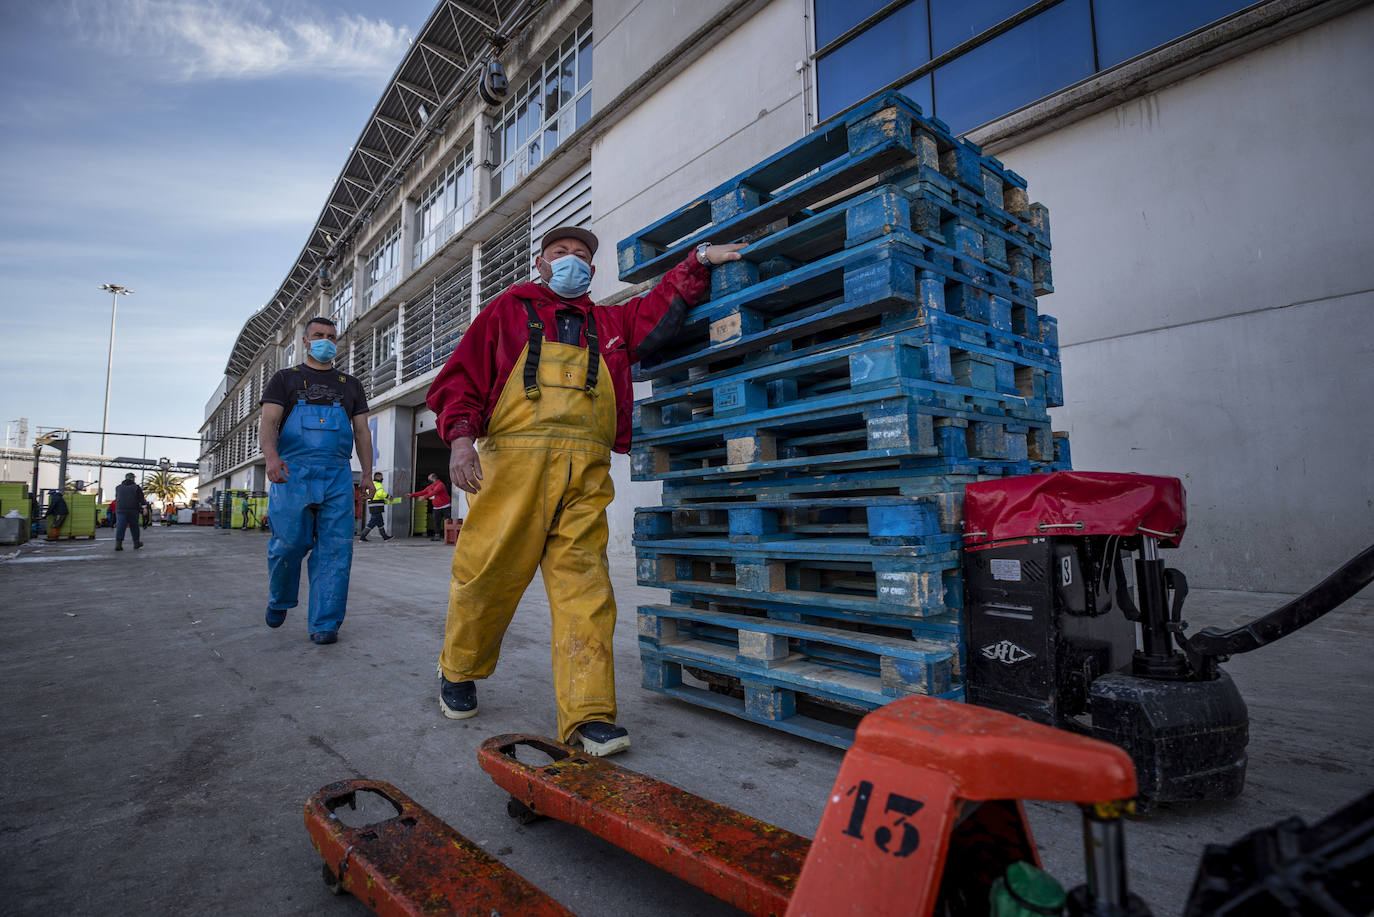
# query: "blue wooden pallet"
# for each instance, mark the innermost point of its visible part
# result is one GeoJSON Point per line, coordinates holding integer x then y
{"type": "Point", "coordinates": [838, 610]}
{"type": "Point", "coordinates": [883, 520]}
{"type": "Point", "coordinates": [911, 580]}
{"type": "Point", "coordinates": [957, 236]}
{"type": "Point", "coordinates": [874, 427]}
{"type": "Point", "coordinates": [889, 666]}
{"type": "Point", "coordinates": [778, 700]}
{"type": "Point", "coordinates": [837, 156]}
{"type": "Point", "coordinates": [893, 281]}
{"type": "Point", "coordinates": [987, 370]}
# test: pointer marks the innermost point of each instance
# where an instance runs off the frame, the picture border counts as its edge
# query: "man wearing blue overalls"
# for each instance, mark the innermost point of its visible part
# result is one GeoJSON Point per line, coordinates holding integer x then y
{"type": "Point", "coordinates": [312, 415]}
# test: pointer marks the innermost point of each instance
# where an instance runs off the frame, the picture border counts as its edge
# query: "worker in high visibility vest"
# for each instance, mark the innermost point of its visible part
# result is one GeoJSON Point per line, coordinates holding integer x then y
{"type": "Point", "coordinates": [542, 378]}
{"type": "Point", "coordinates": [376, 502]}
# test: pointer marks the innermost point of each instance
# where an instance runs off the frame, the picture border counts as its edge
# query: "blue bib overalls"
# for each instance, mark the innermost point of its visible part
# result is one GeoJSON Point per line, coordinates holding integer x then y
{"type": "Point", "coordinates": [313, 512]}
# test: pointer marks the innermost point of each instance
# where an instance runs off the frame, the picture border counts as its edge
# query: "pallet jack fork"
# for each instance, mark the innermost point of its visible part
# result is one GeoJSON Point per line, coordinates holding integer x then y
{"type": "Point", "coordinates": [926, 809]}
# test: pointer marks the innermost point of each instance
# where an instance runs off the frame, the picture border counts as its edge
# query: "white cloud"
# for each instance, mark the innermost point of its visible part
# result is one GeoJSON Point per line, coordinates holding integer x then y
{"type": "Point", "coordinates": [240, 39]}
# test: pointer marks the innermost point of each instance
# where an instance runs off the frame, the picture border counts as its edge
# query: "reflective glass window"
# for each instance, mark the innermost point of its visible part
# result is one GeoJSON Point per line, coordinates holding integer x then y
{"type": "Point", "coordinates": [1038, 57]}
{"type": "Point", "coordinates": [953, 22]}
{"type": "Point", "coordinates": [1127, 28]}
{"type": "Point", "coordinates": [584, 60]}
{"type": "Point", "coordinates": [893, 47]}
{"type": "Point", "coordinates": [835, 17]}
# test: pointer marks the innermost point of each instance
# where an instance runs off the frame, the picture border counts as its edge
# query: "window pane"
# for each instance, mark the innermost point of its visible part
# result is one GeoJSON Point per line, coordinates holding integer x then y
{"type": "Point", "coordinates": [953, 22]}
{"type": "Point", "coordinates": [833, 17]}
{"type": "Point", "coordinates": [584, 62]}
{"type": "Point", "coordinates": [1126, 28]}
{"type": "Point", "coordinates": [551, 100]}
{"type": "Point", "coordinates": [1038, 57]}
{"type": "Point", "coordinates": [566, 76]}
{"type": "Point", "coordinates": [522, 126]}
{"type": "Point", "coordinates": [584, 109]}
{"type": "Point", "coordinates": [890, 49]}
{"type": "Point", "coordinates": [551, 137]}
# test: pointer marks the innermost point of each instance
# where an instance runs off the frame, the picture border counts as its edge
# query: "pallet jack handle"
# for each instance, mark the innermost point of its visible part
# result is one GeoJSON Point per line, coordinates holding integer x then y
{"type": "Point", "coordinates": [1211, 644]}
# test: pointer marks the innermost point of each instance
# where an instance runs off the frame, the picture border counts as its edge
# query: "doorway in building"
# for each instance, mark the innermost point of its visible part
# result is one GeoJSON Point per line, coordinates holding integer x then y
{"type": "Point", "coordinates": [431, 457]}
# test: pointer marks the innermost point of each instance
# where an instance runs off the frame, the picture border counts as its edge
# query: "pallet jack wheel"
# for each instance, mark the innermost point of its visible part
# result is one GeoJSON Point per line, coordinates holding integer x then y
{"type": "Point", "coordinates": [522, 813]}
{"type": "Point", "coordinates": [331, 881]}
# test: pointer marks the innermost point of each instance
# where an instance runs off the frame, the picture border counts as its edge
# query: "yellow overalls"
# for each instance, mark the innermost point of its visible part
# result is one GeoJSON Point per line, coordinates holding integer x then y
{"type": "Point", "coordinates": [546, 467]}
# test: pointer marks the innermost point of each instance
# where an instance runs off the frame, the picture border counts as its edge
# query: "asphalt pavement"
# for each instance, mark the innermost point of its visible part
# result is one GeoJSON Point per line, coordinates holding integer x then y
{"type": "Point", "coordinates": [159, 741]}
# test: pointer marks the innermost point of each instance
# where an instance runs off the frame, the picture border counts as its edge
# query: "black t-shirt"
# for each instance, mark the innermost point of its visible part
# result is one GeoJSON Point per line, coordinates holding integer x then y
{"type": "Point", "coordinates": [321, 386]}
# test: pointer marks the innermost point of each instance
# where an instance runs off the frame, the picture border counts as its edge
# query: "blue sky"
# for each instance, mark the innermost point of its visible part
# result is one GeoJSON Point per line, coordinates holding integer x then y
{"type": "Point", "coordinates": [181, 148]}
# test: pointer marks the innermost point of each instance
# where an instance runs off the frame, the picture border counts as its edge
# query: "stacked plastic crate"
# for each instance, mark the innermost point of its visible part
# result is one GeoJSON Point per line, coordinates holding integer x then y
{"type": "Point", "coordinates": [879, 347]}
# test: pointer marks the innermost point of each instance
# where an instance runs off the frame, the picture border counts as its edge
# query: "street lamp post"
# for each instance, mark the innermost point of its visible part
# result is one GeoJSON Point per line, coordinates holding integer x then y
{"type": "Point", "coordinates": [115, 291]}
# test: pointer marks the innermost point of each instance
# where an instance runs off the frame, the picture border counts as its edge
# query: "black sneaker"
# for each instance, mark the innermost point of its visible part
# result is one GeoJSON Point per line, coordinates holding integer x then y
{"type": "Point", "coordinates": [323, 637]}
{"type": "Point", "coordinates": [386, 537]}
{"type": "Point", "coordinates": [600, 739]}
{"type": "Point", "coordinates": [276, 617]}
{"type": "Point", "coordinates": [364, 538]}
{"type": "Point", "coordinates": [137, 545]}
{"type": "Point", "coordinates": [119, 545]}
{"type": "Point", "coordinates": [457, 699]}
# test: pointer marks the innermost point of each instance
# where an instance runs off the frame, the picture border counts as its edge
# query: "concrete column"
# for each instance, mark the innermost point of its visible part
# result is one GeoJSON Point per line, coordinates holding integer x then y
{"type": "Point", "coordinates": [396, 466]}
{"type": "Point", "coordinates": [408, 237]}
{"type": "Point", "coordinates": [481, 163]}
{"type": "Point", "coordinates": [359, 285]}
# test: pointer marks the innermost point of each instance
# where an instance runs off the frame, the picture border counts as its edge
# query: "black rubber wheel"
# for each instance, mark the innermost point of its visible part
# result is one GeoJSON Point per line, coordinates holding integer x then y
{"type": "Point", "coordinates": [521, 812]}
{"type": "Point", "coordinates": [331, 881]}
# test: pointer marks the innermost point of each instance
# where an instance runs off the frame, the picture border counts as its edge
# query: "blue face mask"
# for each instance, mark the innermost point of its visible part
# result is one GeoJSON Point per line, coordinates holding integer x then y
{"type": "Point", "coordinates": [571, 276]}
{"type": "Point", "coordinates": [323, 349]}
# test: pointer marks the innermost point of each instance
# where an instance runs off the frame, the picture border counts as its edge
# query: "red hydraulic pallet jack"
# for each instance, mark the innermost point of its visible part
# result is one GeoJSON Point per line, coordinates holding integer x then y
{"type": "Point", "coordinates": [925, 817]}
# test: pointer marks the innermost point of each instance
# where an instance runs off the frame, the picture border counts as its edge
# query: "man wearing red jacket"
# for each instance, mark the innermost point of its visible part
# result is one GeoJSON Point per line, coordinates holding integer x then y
{"type": "Point", "coordinates": [542, 378]}
{"type": "Point", "coordinates": [439, 500]}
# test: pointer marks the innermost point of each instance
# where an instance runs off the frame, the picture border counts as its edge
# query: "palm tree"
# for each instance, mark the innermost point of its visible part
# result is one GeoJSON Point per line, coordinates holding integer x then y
{"type": "Point", "coordinates": [163, 486]}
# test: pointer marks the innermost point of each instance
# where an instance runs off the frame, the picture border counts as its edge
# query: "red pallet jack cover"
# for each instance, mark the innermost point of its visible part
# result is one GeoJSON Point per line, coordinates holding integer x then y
{"type": "Point", "coordinates": [1075, 503]}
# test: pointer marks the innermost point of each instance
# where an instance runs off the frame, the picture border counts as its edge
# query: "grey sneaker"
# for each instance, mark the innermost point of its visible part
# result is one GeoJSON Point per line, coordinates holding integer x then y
{"type": "Point", "coordinates": [600, 739]}
{"type": "Point", "coordinates": [457, 699]}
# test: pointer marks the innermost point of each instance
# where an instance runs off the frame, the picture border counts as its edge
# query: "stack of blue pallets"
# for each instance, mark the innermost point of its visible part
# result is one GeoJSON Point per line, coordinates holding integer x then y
{"type": "Point", "coordinates": [878, 348]}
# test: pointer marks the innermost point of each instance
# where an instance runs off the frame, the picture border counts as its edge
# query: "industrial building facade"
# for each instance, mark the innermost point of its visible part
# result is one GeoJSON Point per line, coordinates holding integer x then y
{"type": "Point", "coordinates": [1202, 162]}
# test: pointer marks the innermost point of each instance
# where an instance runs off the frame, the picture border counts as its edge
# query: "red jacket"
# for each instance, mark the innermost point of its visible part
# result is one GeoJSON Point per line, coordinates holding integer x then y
{"type": "Point", "coordinates": [437, 493]}
{"type": "Point", "coordinates": [467, 388]}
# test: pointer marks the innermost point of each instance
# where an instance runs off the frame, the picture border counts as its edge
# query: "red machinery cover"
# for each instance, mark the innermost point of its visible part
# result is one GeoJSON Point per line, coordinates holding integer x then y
{"type": "Point", "coordinates": [1075, 503]}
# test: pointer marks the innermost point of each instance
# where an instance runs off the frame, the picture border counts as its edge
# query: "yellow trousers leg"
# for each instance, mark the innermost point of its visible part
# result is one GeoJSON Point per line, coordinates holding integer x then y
{"type": "Point", "coordinates": [538, 507]}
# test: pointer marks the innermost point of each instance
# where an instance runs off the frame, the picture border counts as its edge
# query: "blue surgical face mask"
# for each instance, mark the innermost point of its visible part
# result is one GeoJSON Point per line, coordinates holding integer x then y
{"type": "Point", "coordinates": [571, 276]}
{"type": "Point", "coordinates": [323, 349]}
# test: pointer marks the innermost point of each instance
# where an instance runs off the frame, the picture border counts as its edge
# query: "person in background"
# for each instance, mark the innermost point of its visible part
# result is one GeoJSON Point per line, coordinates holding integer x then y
{"type": "Point", "coordinates": [129, 501]}
{"type": "Point", "coordinates": [439, 505]}
{"type": "Point", "coordinates": [57, 512]}
{"type": "Point", "coordinates": [376, 503]}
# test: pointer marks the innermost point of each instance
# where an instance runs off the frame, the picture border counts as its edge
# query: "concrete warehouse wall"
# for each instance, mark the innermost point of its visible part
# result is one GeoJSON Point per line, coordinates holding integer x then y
{"type": "Point", "coordinates": [1214, 275]}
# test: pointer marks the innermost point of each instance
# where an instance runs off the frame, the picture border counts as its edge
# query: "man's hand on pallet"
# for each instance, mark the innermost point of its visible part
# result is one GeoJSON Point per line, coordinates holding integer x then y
{"type": "Point", "coordinates": [711, 255]}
